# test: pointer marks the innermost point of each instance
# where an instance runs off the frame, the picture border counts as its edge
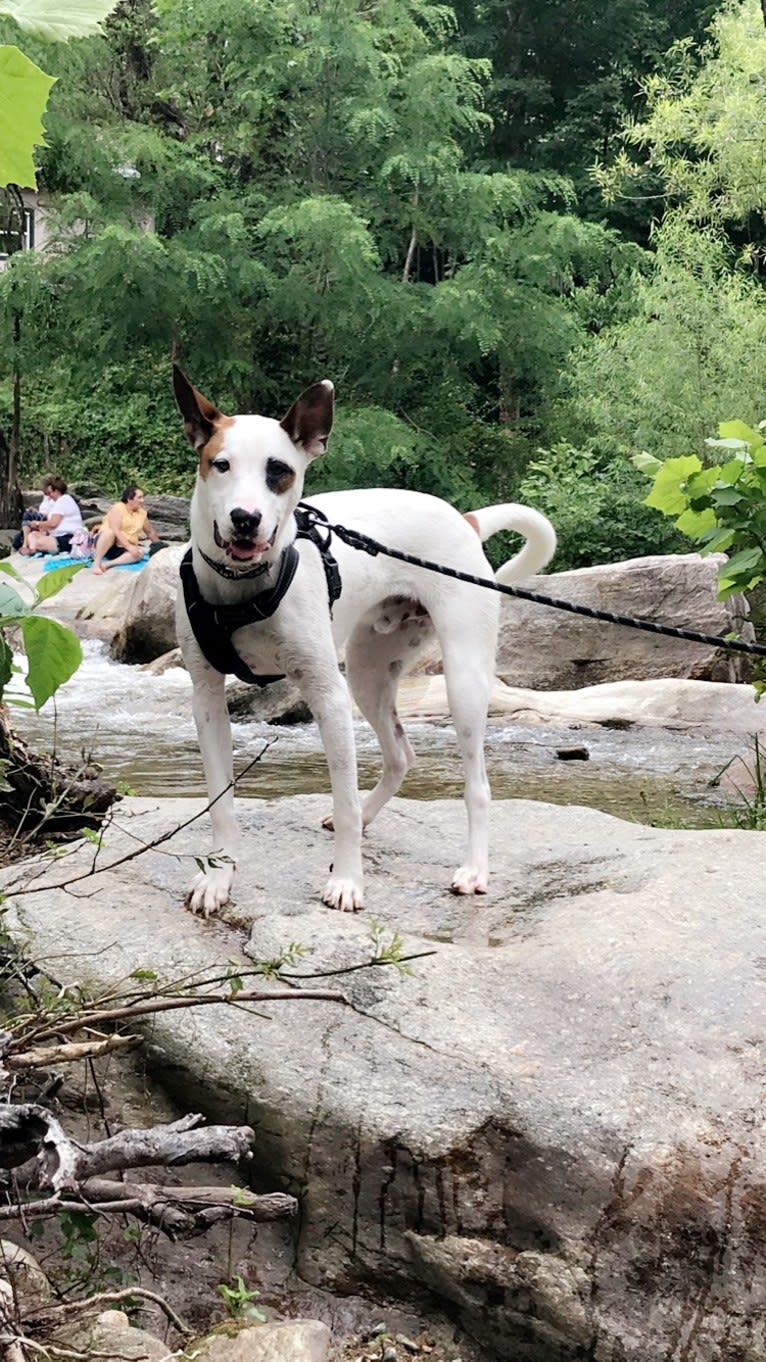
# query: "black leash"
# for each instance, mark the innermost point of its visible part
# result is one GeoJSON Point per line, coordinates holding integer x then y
{"type": "Point", "coordinates": [356, 540]}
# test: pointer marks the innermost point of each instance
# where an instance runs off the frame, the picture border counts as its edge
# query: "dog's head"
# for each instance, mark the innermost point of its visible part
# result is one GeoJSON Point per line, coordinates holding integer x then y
{"type": "Point", "coordinates": [251, 470]}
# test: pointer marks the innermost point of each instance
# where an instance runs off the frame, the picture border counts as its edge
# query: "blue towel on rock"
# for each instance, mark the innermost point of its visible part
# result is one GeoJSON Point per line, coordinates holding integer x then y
{"type": "Point", "coordinates": [57, 560]}
{"type": "Point", "coordinates": [66, 560]}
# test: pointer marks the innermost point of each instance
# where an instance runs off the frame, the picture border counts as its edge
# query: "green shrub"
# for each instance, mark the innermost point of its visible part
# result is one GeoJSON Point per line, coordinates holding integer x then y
{"type": "Point", "coordinates": [595, 505]}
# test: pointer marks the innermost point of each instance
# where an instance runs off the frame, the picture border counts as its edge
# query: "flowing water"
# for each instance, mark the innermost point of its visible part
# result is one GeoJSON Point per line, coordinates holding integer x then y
{"type": "Point", "coordinates": [138, 728]}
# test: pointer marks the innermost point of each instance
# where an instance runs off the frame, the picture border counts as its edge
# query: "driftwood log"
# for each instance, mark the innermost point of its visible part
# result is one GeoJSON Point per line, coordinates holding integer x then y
{"type": "Point", "coordinates": [44, 1159]}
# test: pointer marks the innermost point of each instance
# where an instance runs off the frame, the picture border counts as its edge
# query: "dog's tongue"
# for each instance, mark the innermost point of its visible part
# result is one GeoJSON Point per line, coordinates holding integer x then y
{"type": "Point", "coordinates": [244, 551]}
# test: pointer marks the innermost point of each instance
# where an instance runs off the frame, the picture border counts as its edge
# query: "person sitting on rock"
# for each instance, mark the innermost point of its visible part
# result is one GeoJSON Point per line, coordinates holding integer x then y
{"type": "Point", "coordinates": [61, 519]}
{"type": "Point", "coordinates": [120, 537]}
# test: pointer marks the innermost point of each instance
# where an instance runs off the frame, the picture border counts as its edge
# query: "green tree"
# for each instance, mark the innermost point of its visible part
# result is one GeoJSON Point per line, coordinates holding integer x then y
{"type": "Point", "coordinates": [689, 355]}
{"type": "Point", "coordinates": [305, 169]}
{"type": "Point", "coordinates": [568, 75]}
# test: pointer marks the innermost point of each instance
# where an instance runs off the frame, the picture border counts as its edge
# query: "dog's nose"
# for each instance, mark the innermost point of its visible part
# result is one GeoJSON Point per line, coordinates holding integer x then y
{"type": "Point", "coordinates": [244, 523]}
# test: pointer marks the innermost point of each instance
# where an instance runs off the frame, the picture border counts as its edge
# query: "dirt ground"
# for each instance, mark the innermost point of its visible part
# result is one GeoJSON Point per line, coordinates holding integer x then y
{"type": "Point", "coordinates": [189, 1274]}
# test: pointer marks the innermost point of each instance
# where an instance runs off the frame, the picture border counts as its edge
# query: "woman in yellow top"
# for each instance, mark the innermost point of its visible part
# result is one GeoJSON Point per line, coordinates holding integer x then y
{"type": "Point", "coordinates": [119, 540]}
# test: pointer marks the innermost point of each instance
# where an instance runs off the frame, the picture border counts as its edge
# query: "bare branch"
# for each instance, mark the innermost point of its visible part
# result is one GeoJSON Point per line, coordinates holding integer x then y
{"type": "Point", "coordinates": [30, 1132]}
{"type": "Point", "coordinates": [100, 1016]}
{"type": "Point", "coordinates": [51, 1314]}
{"type": "Point", "coordinates": [95, 869]}
{"type": "Point", "coordinates": [69, 1053]}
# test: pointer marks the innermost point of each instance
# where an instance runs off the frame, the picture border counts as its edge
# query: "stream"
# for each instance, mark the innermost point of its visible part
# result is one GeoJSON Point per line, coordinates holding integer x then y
{"type": "Point", "coordinates": [138, 728]}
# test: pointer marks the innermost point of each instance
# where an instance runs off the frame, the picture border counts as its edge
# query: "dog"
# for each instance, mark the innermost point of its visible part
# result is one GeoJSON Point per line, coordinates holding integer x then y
{"type": "Point", "coordinates": [244, 543]}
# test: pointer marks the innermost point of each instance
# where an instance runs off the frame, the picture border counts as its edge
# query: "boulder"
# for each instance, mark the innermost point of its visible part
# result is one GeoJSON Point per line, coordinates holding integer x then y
{"type": "Point", "coordinates": [681, 706]}
{"type": "Point", "coordinates": [111, 1335]}
{"type": "Point", "coordinates": [282, 1341]}
{"type": "Point", "coordinates": [149, 627]}
{"type": "Point", "coordinates": [278, 703]}
{"type": "Point", "coordinates": [169, 515]}
{"type": "Point", "coordinates": [551, 1120]}
{"type": "Point", "coordinates": [93, 607]}
{"type": "Point", "coordinates": [545, 649]}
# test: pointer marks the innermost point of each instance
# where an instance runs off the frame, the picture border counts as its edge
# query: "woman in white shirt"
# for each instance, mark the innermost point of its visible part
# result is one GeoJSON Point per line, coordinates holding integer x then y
{"type": "Point", "coordinates": [62, 519]}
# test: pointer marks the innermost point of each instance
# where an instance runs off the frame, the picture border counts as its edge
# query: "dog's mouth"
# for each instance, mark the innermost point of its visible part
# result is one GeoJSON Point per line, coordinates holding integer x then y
{"type": "Point", "coordinates": [241, 548]}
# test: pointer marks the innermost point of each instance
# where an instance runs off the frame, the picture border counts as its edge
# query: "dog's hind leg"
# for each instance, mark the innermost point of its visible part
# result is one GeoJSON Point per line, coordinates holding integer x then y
{"type": "Point", "coordinates": [468, 671]}
{"type": "Point", "coordinates": [374, 664]}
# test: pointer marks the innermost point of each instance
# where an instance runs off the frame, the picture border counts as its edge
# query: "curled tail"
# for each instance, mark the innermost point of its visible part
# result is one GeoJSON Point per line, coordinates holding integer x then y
{"type": "Point", "coordinates": [538, 532]}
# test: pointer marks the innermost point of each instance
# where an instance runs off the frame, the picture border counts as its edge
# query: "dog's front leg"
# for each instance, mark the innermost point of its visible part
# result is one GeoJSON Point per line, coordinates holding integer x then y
{"type": "Point", "coordinates": [331, 706]}
{"type": "Point", "coordinates": [211, 888]}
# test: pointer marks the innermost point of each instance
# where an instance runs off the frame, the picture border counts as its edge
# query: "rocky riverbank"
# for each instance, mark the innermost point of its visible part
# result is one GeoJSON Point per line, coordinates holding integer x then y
{"type": "Point", "coordinates": [551, 1124]}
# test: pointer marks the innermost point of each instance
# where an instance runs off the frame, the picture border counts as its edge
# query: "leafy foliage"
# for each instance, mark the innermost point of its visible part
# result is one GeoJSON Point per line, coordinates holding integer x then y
{"type": "Point", "coordinates": [688, 349]}
{"type": "Point", "coordinates": [24, 87]}
{"type": "Point", "coordinates": [315, 213]}
{"type": "Point", "coordinates": [721, 507]}
{"type": "Point", "coordinates": [703, 136]}
{"type": "Point", "coordinates": [53, 652]}
{"type": "Point", "coordinates": [594, 503]}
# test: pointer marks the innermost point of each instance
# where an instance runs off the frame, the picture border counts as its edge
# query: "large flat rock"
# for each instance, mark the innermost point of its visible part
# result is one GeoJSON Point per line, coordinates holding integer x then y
{"type": "Point", "coordinates": [554, 1122]}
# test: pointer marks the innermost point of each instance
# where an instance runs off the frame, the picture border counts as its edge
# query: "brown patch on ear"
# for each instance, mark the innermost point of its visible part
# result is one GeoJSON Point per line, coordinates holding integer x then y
{"type": "Point", "coordinates": [309, 420]}
{"type": "Point", "coordinates": [201, 417]}
{"type": "Point", "coordinates": [472, 521]}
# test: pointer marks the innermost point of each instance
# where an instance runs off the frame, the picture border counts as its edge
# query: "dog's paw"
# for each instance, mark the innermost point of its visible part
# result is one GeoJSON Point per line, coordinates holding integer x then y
{"type": "Point", "coordinates": [210, 890]}
{"type": "Point", "coordinates": [469, 880]}
{"type": "Point", "coordinates": [345, 895]}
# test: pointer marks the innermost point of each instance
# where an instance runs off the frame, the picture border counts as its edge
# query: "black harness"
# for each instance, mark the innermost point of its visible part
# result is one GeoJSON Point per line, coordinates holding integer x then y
{"type": "Point", "coordinates": [213, 625]}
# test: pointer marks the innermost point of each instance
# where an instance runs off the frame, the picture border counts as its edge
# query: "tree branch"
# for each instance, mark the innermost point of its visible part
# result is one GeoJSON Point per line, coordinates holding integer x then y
{"type": "Point", "coordinates": [32, 1135]}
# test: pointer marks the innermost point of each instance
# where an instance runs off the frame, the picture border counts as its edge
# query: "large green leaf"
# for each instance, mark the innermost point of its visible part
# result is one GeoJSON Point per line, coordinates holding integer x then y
{"type": "Point", "coordinates": [11, 603]}
{"type": "Point", "coordinates": [51, 582]}
{"type": "Point", "coordinates": [53, 654]}
{"type": "Point", "coordinates": [24, 91]}
{"type": "Point", "coordinates": [733, 430]}
{"type": "Point", "coordinates": [668, 493]}
{"type": "Point", "coordinates": [695, 523]}
{"type": "Point", "coordinates": [59, 19]}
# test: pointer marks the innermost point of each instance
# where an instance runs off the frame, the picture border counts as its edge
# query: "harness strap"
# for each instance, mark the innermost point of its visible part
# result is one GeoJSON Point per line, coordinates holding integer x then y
{"type": "Point", "coordinates": [213, 625]}
{"type": "Point", "coordinates": [306, 519]}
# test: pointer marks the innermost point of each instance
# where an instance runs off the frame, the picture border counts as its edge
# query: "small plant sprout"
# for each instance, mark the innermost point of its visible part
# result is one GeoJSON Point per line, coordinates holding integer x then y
{"type": "Point", "coordinates": [239, 1301]}
{"type": "Point", "coordinates": [387, 952]}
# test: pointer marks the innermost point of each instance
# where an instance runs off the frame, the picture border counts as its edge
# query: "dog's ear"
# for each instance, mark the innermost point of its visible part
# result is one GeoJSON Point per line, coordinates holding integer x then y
{"type": "Point", "coordinates": [199, 415]}
{"type": "Point", "coordinates": [309, 420]}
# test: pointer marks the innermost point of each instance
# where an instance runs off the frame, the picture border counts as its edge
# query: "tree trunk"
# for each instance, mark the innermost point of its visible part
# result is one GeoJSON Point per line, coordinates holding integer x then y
{"type": "Point", "coordinates": [11, 502]}
{"type": "Point", "coordinates": [509, 404]}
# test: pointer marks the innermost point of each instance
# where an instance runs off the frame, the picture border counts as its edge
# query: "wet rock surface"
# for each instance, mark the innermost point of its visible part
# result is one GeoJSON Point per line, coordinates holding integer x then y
{"type": "Point", "coordinates": [552, 1125]}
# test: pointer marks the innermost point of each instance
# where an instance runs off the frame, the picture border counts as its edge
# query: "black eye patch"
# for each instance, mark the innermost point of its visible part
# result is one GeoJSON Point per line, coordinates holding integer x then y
{"type": "Point", "coordinates": [279, 476]}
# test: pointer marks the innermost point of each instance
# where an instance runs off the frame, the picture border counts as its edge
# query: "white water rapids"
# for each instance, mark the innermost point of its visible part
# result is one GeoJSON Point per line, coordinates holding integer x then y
{"type": "Point", "coordinates": [138, 728]}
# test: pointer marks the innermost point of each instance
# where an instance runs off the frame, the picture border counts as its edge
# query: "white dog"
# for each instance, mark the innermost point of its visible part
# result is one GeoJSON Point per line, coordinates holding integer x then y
{"type": "Point", "coordinates": [272, 596]}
